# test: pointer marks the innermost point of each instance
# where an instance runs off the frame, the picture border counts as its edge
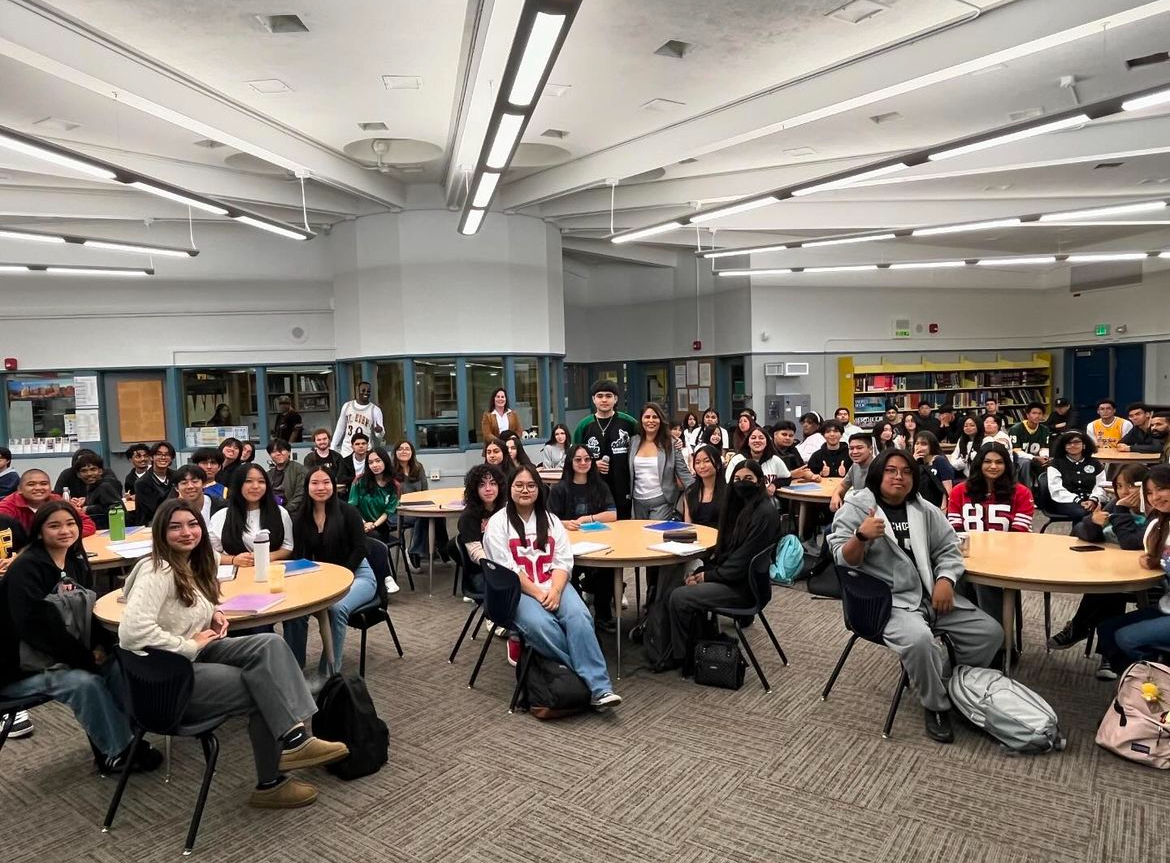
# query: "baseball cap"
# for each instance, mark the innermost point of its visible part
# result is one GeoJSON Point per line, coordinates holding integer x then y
{"type": "Point", "coordinates": [1063, 403]}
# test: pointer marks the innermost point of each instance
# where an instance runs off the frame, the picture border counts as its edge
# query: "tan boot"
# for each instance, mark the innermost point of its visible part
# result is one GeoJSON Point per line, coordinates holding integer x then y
{"type": "Point", "coordinates": [312, 753]}
{"type": "Point", "coordinates": [288, 794]}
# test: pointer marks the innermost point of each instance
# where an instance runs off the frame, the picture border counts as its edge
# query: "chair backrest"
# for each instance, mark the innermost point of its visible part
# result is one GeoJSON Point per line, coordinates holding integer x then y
{"type": "Point", "coordinates": [158, 687]}
{"type": "Point", "coordinates": [759, 577]}
{"type": "Point", "coordinates": [501, 593]}
{"type": "Point", "coordinates": [1040, 492]}
{"type": "Point", "coordinates": [865, 603]}
{"type": "Point", "coordinates": [466, 570]}
{"type": "Point", "coordinates": [378, 557]}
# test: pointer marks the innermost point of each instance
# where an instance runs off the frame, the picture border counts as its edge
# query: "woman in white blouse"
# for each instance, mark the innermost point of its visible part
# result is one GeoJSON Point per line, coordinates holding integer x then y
{"type": "Point", "coordinates": [658, 470]}
{"type": "Point", "coordinates": [993, 432]}
{"type": "Point", "coordinates": [250, 508]}
{"type": "Point", "coordinates": [499, 417]}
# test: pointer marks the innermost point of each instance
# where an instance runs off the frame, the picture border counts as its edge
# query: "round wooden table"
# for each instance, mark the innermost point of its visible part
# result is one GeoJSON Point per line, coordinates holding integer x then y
{"type": "Point", "coordinates": [431, 504]}
{"type": "Point", "coordinates": [1045, 562]}
{"type": "Point", "coordinates": [629, 544]}
{"type": "Point", "coordinates": [809, 494]}
{"type": "Point", "coordinates": [97, 548]}
{"type": "Point", "coordinates": [1112, 456]}
{"type": "Point", "coordinates": [311, 593]}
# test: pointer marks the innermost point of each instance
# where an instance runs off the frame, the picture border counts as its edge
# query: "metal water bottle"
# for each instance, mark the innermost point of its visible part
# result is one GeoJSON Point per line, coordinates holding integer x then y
{"type": "Point", "coordinates": [260, 552]}
{"type": "Point", "coordinates": [117, 523]}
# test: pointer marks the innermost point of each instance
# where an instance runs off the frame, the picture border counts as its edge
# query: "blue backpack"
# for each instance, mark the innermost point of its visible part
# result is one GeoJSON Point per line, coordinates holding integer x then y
{"type": "Point", "coordinates": [787, 561]}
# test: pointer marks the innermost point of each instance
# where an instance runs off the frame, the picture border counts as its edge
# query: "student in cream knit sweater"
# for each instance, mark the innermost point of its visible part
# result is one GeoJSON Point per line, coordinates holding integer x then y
{"type": "Point", "coordinates": [170, 605]}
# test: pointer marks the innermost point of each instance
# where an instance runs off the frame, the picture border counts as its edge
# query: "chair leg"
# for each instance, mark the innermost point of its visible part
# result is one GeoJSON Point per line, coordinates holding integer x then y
{"type": "Point", "coordinates": [123, 778]}
{"type": "Point", "coordinates": [902, 684]}
{"type": "Point", "coordinates": [362, 659]}
{"type": "Point", "coordinates": [458, 579]}
{"type": "Point", "coordinates": [772, 635]}
{"type": "Point", "coordinates": [394, 635]}
{"type": "Point", "coordinates": [210, 755]}
{"type": "Point", "coordinates": [1047, 620]}
{"type": "Point", "coordinates": [638, 588]}
{"type": "Point", "coordinates": [839, 666]}
{"type": "Point", "coordinates": [1089, 642]}
{"type": "Point", "coordinates": [463, 634]}
{"type": "Point", "coordinates": [487, 642]}
{"type": "Point", "coordinates": [747, 648]}
{"type": "Point", "coordinates": [6, 723]}
{"type": "Point", "coordinates": [167, 758]}
{"type": "Point", "coordinates": [521, 678]}
{"type": "Point", "coordinates": [478, 623]}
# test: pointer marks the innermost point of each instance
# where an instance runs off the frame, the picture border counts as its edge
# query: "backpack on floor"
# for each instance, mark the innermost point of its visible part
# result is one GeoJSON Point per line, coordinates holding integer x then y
{"type": "Point", "coordinates": [788, 560]}
{"type": "Point", "coordinates": [1134, 726]}
{"type": "Point", "coordinates": [1007, 710]}
{"type": "Point", "coordinates": [552, 690]}
{"type": "Point", "coordinates": [822, 575]}
{"type": "Point", "coordinates": [346, 714]}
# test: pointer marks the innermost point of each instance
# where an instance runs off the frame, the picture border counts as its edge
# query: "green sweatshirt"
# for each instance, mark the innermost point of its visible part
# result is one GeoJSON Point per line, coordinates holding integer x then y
{"type": "Point", "coordinates": [372, 505]}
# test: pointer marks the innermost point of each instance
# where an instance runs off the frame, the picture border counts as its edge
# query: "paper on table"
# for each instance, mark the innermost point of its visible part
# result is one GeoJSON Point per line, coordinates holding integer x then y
{"type": "Point", "coordinates": [130, 531]}
{"type": "Point", "coordinates": [680, 549]}
{"type": "Point", "coordinates": [225, 572]}
{"type": "Point", "coordinates": [130, 550]}
{"type": "Point", "coordinates": [589, 547]}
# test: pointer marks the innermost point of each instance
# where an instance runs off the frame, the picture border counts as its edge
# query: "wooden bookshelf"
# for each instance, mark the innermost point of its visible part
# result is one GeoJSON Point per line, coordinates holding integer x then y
{"type": "Point", "coordinates": [965, 384]}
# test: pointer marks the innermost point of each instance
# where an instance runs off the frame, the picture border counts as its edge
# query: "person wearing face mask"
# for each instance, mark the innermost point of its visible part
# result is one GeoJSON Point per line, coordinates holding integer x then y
{"type": "Point", "coordinates": [885, 530]}
{"type": "Point", "coordinates": [358, 416]}
{"type": "Point", "coordinates": [1076, 480]}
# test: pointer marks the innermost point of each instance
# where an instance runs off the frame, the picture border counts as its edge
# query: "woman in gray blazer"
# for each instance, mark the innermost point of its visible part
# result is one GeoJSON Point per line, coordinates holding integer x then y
{"type": "Point", "coordinates": [658, 469]}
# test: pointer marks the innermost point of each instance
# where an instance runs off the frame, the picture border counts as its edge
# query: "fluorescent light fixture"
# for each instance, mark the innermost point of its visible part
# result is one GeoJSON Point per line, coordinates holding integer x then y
{"type": "Point", "coordinates": [507, 131]}
{"type": "Point", "coordinates": [1012, 262]}
{"type": "Point", "coordinates": [85, 271]}
{"type": "Point", "coordinates": [928, 265]}
{"type": "Point", "coordinates": [647, 232]}
{"type": "Point", "coordinates": [850, 180]}
{"type": "Point", "coordinates": [542, 39]}
{"type": "Point", "coordinates": [726, 253]}
{"type": "Point", "coordinates": [1106, 256]}
{"type": "Point", "coordinates": [34, 238]}
{"type": "Point", "coordinates": [1054, 126]}
{"type": "Point", "coordinates": [1159, 98]}
{"type": "Point", "coordinates": [484, 189]}
{"type": "Point", "coordinates": [56, 158]}
{"type": "Point", "coordinates": [969, 226]}
{"type": "Point", "coordinates": [13, 268]}
{"type": "Point", "coordinates": [849, 269]}
{"type": "Point", "coordinates": [472, 222]}
{"type": "Point", "coordinates": [844, 241]}
{"type": "Point", "coordinates": [271, 228]}
{"type": "Point", "coordinates": [755, 204]}
{"type": "Point", "coordinates": [1119, 210]}
{"type": "Point", "coordinates": [1164, 255]}
{"type": "Point", "coordinates": [180, 198]}
{"type": "Point", "coordinates": [777, 272]}
{"type": "Point", "coordinates": [132, 247]}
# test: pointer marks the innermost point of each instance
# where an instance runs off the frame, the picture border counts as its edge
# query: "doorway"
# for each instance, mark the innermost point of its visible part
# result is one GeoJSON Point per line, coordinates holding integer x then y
{"type": "Point", "coordinates": [1114, 372]}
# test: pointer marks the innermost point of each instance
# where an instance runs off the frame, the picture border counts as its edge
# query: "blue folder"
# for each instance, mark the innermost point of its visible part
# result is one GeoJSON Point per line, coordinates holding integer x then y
{"type": "Point", "coordinates": [669, 525]}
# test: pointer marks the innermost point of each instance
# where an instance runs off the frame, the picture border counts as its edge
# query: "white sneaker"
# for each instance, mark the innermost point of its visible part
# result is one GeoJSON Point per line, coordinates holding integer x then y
{"type": "Point", "coordinates": [625, 602]}
{"type": "Point", "coordinates": [21, 726]}
{"type": "Point", "coordinates": [468, 599]}
{"type": "Point", "coordinates": [391, 584]}
{"type": "Point", "coordinates": [605, 701]}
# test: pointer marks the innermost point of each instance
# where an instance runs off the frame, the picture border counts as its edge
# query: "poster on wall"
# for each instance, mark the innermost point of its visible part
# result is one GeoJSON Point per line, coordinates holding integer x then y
{"type": "Point", "coordinates": [702, 397]}
{"type": "Point", "coordinates": [87, 425]}
{"type": "Point", "coordinates": [705, 375]}
{"type": "Point", "coordinates": [85, 392]}
{"type": "Point", "coordinates": [692, 373]}
{"type": "Point", "coordinates": [682, 401]}
{"type": "Point", "coordinates": [680, 375]}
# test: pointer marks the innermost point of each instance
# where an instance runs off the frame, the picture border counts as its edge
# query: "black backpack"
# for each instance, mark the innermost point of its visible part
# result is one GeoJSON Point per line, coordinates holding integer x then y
{"type": "Point", "coordinates": [345, 714]}
{"type": "Point", "coordinates": [930, 487]}
{"type": "Point", "coordinates": [552, 690]}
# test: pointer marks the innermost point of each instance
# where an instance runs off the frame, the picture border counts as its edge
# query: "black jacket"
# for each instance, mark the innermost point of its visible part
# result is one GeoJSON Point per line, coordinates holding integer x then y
{"type": "Point", "coordinates": [834, 458]}
{"type": "Point", "coordinates": [68, 479]}
{"type": "Point", "coordinates": [132, 480]}
{"type": "Point", "coordinates": [331, 462]}
{"type": "Point", "coordinates": [100, 498]}
{"type": "Point", "coordinates": [1060, 424]}
{"type": "Point", "coordinates": [791, 457]}
{"type": "Point", "coordinates": [345, 477]}
{"type": "Point", "coordinates": [349, 552]}
{"type": "Point", "coordinates": [732, 564]}
{"type": "Point", "coordinates": [1140, 440]}
{"type": "Point", "coordinates": [149, 494]}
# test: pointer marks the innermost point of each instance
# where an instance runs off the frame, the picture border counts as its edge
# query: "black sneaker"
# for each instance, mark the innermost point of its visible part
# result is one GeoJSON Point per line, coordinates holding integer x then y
{"type": "Point", "coordinates": [415, 561]}
{"type": "Point", "coordinates": [938, 726]}
{"type": "Point", "coordinates": [146, 759]}
{"type": "Point", "coordinates": [21, 725]}
{"type": "Point", "coordinates": [1066, 638]}
{"type": "Point", "coordinates": [1105, 671]}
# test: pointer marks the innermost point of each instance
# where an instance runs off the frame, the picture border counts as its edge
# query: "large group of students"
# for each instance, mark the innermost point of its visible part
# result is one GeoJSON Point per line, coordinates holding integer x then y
{"type": "Point", "coordinates": [896, 513]}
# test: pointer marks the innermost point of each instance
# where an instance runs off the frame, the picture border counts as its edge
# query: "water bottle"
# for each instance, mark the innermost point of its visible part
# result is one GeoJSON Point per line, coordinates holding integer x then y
{"type": "Point", "coordinates": [117, 522]}
{"type": "Point", "coordinates": [260, 552]}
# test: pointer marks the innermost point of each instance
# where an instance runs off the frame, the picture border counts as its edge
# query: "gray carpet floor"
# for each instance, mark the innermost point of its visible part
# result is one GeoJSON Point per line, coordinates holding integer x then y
{"type": "Point", "coordinates": [679, 772]}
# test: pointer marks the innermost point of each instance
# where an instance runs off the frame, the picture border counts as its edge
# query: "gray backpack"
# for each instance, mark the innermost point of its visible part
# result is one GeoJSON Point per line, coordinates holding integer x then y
{"type": "Point", "coordinates": [1007, 710]}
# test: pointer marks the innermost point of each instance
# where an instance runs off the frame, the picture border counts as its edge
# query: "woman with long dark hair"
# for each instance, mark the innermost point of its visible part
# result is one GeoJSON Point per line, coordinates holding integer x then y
{"type": "Point", "coordinates": [329, 531]}
{"type": "Point", "coordinates": [483, 497]}
{"type": "Point", "coordinates": [251, 508]}
{"type": "Point", "coordinates": [514, 447]}
{"type": "Point", "coordinates": [497, 455]}
{"type": "Point", "coordinates": [657, 468]}
{"type": "Point", "coordinates": [938, 475]}
{"type": "Point", "coordinates": [703, 499]}
{"type": "Point", "coordinates": [375, 494]}
{"type": "Point", "coordinates": [1076, 480]}
{"type": "Point", "coordinates": [247, 452]}
{"type": "Point", "coordinates": [758, 447]}
{"type": "Point", "coordinates": [170, 605]}
{"type": "Point", "coordinates": [525, 537]}
{"type": "Point", "coordinates": [221, 417]}
{"type": "Point", "coordinates": [970, 442]}
{"type": "Point", "coordinates": [885, 436]}
{"type": "Point", "coordinates": [499, 417]}
{"type": "Point", "coordinates": [230, 450]}
{"type": "Point", "coordinates": [411, 475]}
{"type": "Point", "coordinates": [552, 455]}
{"type": "Point", "coordinates": [692, 428]}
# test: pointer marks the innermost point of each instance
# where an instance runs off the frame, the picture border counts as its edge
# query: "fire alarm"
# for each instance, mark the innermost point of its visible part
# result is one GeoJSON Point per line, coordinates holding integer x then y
{"type": "Point", "coordinates": [933, 329]}
{"type": "Point", "coordinates": [696, 345]}
{"type": "Point", "coordinates": [10, 364]}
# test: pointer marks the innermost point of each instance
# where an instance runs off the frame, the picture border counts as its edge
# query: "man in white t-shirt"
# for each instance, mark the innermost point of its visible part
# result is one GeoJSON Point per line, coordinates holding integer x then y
{"type": "Point", "coordinates": [357, 415]}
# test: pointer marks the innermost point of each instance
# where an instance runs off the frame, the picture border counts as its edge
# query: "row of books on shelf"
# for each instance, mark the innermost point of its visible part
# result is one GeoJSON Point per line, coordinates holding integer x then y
{"type": "Point", "coordinates": [948, 380]}
{"type": "Point", "coordinates": [962, 400]}
{"type": "Point", "coordinates": [305, 384]}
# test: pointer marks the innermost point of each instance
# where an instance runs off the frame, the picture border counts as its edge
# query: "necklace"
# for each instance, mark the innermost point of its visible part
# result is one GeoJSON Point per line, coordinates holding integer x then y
{"type": "Point", "coordinates": [604, 428]}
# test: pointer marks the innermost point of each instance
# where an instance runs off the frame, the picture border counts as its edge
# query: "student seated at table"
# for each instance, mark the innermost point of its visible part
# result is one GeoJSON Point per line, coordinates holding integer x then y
{"type": "Point", "coordinates": [885, 530]}
{"type": "Point", "coordinates": [1145, 633]}
{"type": "Point", "coordinates": [353, 465]}
{"type": "Point", "coordinates": [250, 509]}
{"type": "Point", "coordinates": [925, 418]}
{"type": "Point", "coordinates": [322, 454]}
{"type": "Point", "coordinates": [483, 496]}
{"type": "Point", "coordinates": [993, 430]}
{"type": "Point", "coordinates": [528, 539]}
{"type": "Point", "coordinates": [832, 459]}
{"type": "Point", "coordinates": [329, 531]}
{"type": "Point", "coordinates": [1076, 480]}
{"type": "Point", "coordinates": [784, 442]}
{"type": "Point", "coordinates": [286, 477]}
{"type": "Point", "coordinates": [970, 441]}
{"type": "Point", "coordinates": [79, 673]}
{"type": "Point", "coordinates": [552, 454]}
{"type": "Point", "coordinates": [1108, 430]}
{"type": "Point", "coordinates": [230, 449]}
{"type": "Point", "coordinates": [158, 484]}
{"type": "Point", "coordinates": [861, 454]}
{"type": "Point", "coordinates": [514, 445]}
{"type": "Point", "coordinates": [691, 428]}
{"type": "Point", "coordinates": [812, 438]}
{"type": "Point", "coordinates": [1062, 418]}
{"type": "Point", "coordinates": [658, 471]}
{"type": "Point", "coordinates": [100, 489]}
{"type": "Point", "coordinates": [711, 420]}
{"type": "Point", "coordinates": [713, 436]}
{"type": "Point", "coordinates": [948, 429]}
{"type": "Point", "coordinates": [411, 476]}
{"type": "Point", "coordinates": [191, 486]}
{"type": "Point", "coordinates": [748, 524]}
{"type": "Point", "coordinates": [376, 494]}
{"type": "Point", "coordinates": [703, 499]}
{"type": "Point", "coordinates": [31, 494]}
{"type": "Point", "coordinates": [885, 436]}
{"type": "Point", "coordinates": [1031, 438]}
{"type": "Point", "coordinates": [496, 454]}
{"type": "Point", "coordinates": [170, 605]}
{"type": "Point", "coordinates": [582, 497]}
{"type": "Point", "coordinates": [743, 425]}
{"type": "Point", "coordinates": [69, 480]}
{"type": "Point", "coordinates": [938, 477]}
{"type": "Point", "coordinates": [680, 444]}
{"type": "Point", "coordinates": [909, 428]}
{"type": "Point", "coordinates": [1139, 438]}
{"type": "Point", "coordinates": [843, 416]}
{"type": "Point", "coordinates": [758, 447]}
{"type": "Point", "coordinates": [211, 461]}
{"type": "Point", "coordinates": [139, 456]}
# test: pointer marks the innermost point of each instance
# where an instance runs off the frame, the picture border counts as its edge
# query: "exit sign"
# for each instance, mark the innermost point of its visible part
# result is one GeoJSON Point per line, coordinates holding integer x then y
{"type": "Point", "coordinates": [1102, 329]}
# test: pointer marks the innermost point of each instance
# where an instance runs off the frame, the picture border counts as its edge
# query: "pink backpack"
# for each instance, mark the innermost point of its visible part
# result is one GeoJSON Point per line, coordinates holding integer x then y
{"type": "Point", "coordinates": [1134, 726]}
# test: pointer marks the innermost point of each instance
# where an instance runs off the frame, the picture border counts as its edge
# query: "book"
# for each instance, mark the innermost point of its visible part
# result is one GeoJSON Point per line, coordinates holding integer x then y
{"type": "Point", "coordinates": [580, 548]}
{"type": "Point", "coordinates": [251, 603]}
{"type": "Point", "coordinates": [300, 567]}
{"type": "Point", "coordinates": [130, 550]}
{"type": "Point", "coordinates": [678, 549]}
{"type": "Point", "coordinates": [804, 486]}
{"type": "Point", "coordinates": [130, 531]}
{"type": "Point", "coordinates": [668, 525]}
{"type": "Point", "coordinates": [593, 526]}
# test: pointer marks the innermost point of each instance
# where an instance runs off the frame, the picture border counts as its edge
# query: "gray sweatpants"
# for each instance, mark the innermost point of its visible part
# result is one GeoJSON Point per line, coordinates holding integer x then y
{"type": "Point", "coordinates": [258, 676]}
{"type": "Point", "coordinates": [975, 635]}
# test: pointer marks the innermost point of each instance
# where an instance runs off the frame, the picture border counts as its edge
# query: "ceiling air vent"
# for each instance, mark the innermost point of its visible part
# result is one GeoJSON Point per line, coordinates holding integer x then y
{"type": "Point", "coordinates": [554, 133]}
{"type": "Point", "coordinates": [673, 48]}
{"type": "Point", "coordinates": [857, 11]}
{"type": "Point", "coordinates": [885, 118]}
{"type": "Point", "coordinates": [1148, 60]}
{"type": "Point", "coordinates": [374, 127]}
{"type": "Point", "coordinates": [282, 23]}
{"type": "Point", "coordinates": [209, 144]}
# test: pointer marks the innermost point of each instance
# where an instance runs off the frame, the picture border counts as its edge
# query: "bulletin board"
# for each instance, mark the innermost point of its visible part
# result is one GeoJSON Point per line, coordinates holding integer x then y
{"type": "Point", "coordinates": [141, 411]}
{"type": "Point", "coordinates": [694, 389]}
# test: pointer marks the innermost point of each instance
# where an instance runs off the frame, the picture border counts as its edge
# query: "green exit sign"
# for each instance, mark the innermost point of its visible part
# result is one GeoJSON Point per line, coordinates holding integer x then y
{"type": "Point", "coordinates": [1102, 329]}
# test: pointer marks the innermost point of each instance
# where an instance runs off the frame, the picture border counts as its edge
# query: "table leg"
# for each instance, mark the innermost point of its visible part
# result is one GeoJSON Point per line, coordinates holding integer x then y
{"type": "Point", "coordinates": [326, 639]}
{"type": "Point", "coordinates": [430, 556]}
{"type": "Point", "coordinates": [617, 617]}
{"type": "Point", "coordinates": [1009, 628]}
{"type": "Point", "coordinates": [802, 520]}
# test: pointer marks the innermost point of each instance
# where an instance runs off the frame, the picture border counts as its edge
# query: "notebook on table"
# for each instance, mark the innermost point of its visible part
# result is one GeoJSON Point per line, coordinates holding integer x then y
{"type": "Point", "coordinates": [300, 567]}
{"type": "Point", "coordinates": [580, 548]}
{"type": "Point", "coordinates": [669, 525]}
{"type": "Point", "coordinates": [593, 526]}
{"type": "Point", "coordinates": [251, 603]}
{"type": "Point", "coordinates": [679, 549]}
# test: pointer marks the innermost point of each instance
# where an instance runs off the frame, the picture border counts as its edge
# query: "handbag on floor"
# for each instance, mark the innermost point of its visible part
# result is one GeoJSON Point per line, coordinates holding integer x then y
{"type": "Point", "coordinates": [346, 714]}
{"type": "Point", "coordinates": [1006, 709]}
{"type": "Point", "coordinates": [1134, 726]}
{"type": "Point", "coordinates": [719, 662]}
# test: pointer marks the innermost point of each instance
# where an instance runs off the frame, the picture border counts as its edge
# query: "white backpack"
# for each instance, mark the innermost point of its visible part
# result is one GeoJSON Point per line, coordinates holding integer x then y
{"type": "Point", "coordinates": [1007, 710]}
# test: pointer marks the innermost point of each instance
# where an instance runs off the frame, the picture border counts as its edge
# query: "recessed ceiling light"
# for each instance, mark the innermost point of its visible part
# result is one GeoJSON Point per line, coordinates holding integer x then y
{"type": "Point", "coordinates": [209, 144]}
{"type": "Point", "coordinates": [800, 152]}
{"type": "Point", "coordinates": [1101, 165]}
{"type": "Point", "coordinates": [378, 126]}
{"type": "Point", "coordinates": [661, 106]}
{"type": "Point", "coordinates": [269, 86]}
{"type": "Point", "coordinates": [287, 23]}
{"type": "Point", "coordinates": [857, 11]}
{"type": "Point", "coordinates": [1025, 114]}
{"type": "Point", "coordinates": [402, 82]}
{"type": "Point", "coordinates": [57, 124]}
{"type": "Point", "coordinates": [1148, 60]}
{"type": "Point", "coordinates": [554, 133]}
{"type": "Point", "coordinates": [557, 90]}
{"type": "Point", "coordinates": [673, 48]}
{"type": "Point", "coordinates": [887, 117]}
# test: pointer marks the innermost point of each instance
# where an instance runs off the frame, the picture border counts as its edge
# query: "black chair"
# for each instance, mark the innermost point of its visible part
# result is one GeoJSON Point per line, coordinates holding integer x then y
{"type": "Point", "coordinates": [375, 613]}
{"type": "Point", "coordinates": [453, 552]}
{"type": "Point", "coordinates": [471, 593]}
{"type": "Point", "coordinates": [761, 590]}
{"type": "Point", "coordinates": [1043, 499]}
{"type": "Point", "coordinates": [402, 542]}
{"type": "Point", "coordinates": [9, 708]}
{"type": "Point", "coordinates": [865, 606]}
{"type": "Point", "coordinates": [501, 594]}
{"type": "Point", "coordinates": [157, 689]}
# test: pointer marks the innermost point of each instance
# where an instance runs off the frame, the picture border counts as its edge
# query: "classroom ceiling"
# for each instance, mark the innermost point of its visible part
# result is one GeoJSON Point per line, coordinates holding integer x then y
{"type": "Point", "coordinates": [202, 94]}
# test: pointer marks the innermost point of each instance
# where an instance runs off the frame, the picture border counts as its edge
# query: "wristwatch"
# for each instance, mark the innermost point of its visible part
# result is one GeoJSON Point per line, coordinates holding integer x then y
{"type": "Point", "coordinates": [860, 536]}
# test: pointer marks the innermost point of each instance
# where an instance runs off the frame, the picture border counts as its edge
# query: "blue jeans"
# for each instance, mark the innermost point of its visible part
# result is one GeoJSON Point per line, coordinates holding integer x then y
{"type": "Point", "coordinates": [419, 533]}
{"type": "Point", "coordinates": [1141, 634]}
{"type": "Point", "coordinates": [565, 635]}
{"type": "Point", "coordinates": [361, 593]}
{"type": "Point", "coordinates": [94, 698]}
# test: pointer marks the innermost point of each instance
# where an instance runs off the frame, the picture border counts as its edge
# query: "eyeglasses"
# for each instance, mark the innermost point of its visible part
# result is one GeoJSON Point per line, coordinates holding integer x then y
{"type": "Point", "coordinates": [524, 486]}
{"type": "Point", "coordinates": [899, 471]}
{"type": "Point", "coordinates": [582, 459]}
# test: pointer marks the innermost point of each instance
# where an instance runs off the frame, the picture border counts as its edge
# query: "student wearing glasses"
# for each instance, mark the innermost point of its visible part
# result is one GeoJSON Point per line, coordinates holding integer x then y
{"type": "Point", "coordinates": [158, 484]}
